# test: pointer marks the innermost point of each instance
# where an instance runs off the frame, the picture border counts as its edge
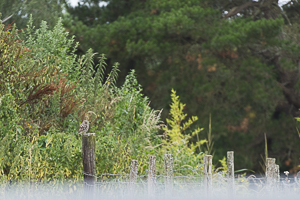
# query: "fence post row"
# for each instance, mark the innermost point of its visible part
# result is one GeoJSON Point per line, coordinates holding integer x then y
{"type": "Point", "coordinates": [151, 175]}
{"type": "Point", "coordinates": [230, 172]}
{"type": "Point", "coordinates": [207, 173]}
{"type": "Point", "coordinates": [168, 173]}
{"type": "Point", "coordinates": [88, 159]}
{"type": "Point", "coordinates": [89, 170]}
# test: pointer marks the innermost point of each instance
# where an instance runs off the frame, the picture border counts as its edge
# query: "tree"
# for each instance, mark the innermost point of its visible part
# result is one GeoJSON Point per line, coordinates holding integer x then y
{"type": "Point", "coordinates": [18, 11]}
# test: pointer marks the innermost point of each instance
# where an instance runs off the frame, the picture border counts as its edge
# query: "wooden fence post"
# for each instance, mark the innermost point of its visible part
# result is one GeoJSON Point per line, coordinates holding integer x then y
{"type": "Point", "coordinates": [208, 174]}
{"type": "Point", "coordinates": [277, 173]}
{"type": "Point", "coordinates": [88, 159]}
{"type": "Point", "coordinates": [230, 172]}
{"type": "Point", "coordinates": [270, 173]}
{"type": "Point", "coordinates": [133, 175]}
{"type": "Point", "coordinates": [151, 175]}
{"type": "Point", "coordinates": [168, 173]}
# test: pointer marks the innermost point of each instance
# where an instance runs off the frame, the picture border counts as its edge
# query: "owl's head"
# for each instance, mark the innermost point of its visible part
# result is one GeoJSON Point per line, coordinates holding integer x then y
{"type": "Point", "coordinates": [85, 122]}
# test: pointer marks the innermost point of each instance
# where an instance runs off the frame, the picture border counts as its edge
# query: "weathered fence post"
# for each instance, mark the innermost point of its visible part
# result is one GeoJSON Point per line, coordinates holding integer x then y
{"type": "Point", "coordinates": [230, 172]}
{"type": "Point", "coordinates": [270, 173]}
{"type": "Point", "coordinates": [151, 175]}
{"type": "Point", "coordinates": [277, 174]}
{"type": "Point", "coordinates": [208, 174]}
{"type": "Point", "coordinates": [88, 159]}
{"type": "Point", "coordinates": [133, 175]}
{"type": "Point", "coordinates": [168, 173]}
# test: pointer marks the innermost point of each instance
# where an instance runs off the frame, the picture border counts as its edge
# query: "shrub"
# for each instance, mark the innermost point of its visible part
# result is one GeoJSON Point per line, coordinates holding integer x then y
{"type": "Point", "coordinates": [42, 106]}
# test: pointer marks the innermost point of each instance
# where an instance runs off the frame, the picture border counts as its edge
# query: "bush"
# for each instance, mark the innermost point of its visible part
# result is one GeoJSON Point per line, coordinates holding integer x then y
{"type": "Point", "coordinates": [42, 106]}
{"type": "Point", "coordinates": [176, 140]}
{"type": "Point", "coordinates": [46, 92]}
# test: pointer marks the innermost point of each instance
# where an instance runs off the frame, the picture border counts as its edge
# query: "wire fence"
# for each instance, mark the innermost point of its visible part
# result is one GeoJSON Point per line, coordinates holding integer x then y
{"type": "Point", "coordinates": [192, 187]}
{"type": "Point", "coordinates": [174, 182]}
{"type": "Point", "coordinates": [182, 184]}
{"type": "Point", "coordinates": [182, 187]}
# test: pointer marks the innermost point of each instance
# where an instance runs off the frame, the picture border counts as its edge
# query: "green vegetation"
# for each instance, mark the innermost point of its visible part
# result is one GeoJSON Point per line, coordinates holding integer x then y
{"type": "Point", "coordinates": [177, 139]}
{"type": "Point", "coordinates": [241, 67]}
{"type": "Point", "coordinates": [235, 65]}
{"type": "Point", "coordinates": [44, 98]}
{"type": "Point", "coordinates": [18, 11]}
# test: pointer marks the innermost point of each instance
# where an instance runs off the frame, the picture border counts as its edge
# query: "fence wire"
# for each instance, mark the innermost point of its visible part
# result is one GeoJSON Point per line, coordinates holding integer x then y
{"type": "Point", "coordinates": [192, 186]}
{"type": "Point", "coordinates": [187, 184]}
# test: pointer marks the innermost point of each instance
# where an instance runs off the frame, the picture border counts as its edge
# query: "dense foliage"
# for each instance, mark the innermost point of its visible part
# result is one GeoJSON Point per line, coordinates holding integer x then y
{"type": "Point", "coordinates": [45, 93]}
{"type": "Point", "coordinates": [236, 61]}
{"type": "Point", "coordinates": [18, 11]}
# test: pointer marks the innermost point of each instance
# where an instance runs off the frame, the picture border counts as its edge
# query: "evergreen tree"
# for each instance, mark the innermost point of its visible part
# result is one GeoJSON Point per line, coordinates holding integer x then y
{"type": "Point", "coordinates": [18, 11]}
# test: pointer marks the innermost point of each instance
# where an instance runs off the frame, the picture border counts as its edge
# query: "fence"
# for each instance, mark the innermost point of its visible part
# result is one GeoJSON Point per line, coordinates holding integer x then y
{"type": "Point", "coordinates": [205, 183]}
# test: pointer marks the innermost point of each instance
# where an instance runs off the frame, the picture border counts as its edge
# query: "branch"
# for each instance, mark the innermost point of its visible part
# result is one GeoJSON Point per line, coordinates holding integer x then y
{"type": "Point", "coordinates": [291, 96]}
{"type": "Point", "coordinates": [7, 18]}
{"type": "Point", "coordinates": [287, 85]}
{"type": "Point", "coordinates": [236, 10]}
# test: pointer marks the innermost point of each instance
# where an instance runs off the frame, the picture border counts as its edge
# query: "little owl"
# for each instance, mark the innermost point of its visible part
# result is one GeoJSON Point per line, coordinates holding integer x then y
{"type": "Point", "coordinates": [84, 126]}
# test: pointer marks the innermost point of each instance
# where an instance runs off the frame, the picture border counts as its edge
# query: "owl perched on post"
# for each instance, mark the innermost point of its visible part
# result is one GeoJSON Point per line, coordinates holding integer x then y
{"type": "Point", "coordinates": [84, 126]}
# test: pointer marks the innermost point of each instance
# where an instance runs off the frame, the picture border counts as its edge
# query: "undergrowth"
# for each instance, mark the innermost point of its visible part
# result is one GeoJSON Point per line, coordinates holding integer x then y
{"type": "Point", "coordinates": [45, 93]}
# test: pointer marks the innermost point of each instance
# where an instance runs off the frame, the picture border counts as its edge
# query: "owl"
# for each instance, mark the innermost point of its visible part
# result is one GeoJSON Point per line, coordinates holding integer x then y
{"type": "Point", "coordinates": [84, 126]}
